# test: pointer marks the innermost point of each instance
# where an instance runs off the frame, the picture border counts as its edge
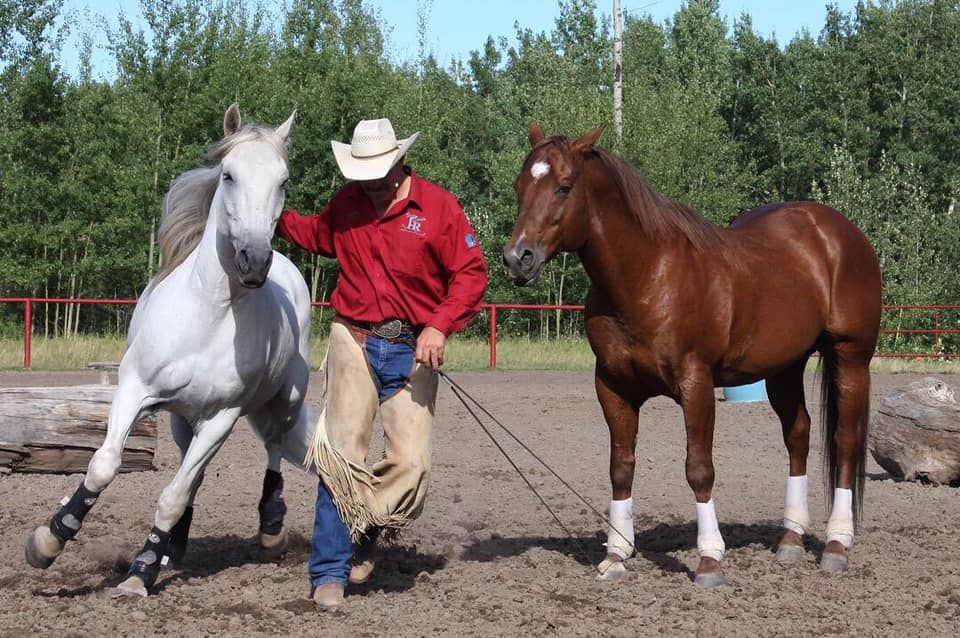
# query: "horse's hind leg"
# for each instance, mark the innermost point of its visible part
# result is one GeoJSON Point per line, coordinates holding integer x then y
{"type": "Point", "coordinates": [847, 407]}
{"type": "Point", "coordinates": [785, 391]}
{"type": "Point", "coordinates": [47, 542]}
{"type": "Point", "coordinates": [180, 534]}
{"type": "Point", "coordinates": [272, 509]}
{"type": "Point", "coordinates": [208, 438]}
{"type": "Point", "coordinates": [621, 416]}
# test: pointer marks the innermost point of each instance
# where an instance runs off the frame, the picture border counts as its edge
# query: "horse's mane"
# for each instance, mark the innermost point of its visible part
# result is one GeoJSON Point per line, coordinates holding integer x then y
{"type": "Point", "coordinates": [187, 203]}
{"type": "Point", "coordinates": [657, 213]}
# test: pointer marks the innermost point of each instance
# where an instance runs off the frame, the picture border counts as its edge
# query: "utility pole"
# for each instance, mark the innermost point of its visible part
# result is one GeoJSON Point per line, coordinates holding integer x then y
{"type": "Point", "coordinates": [617, 70]}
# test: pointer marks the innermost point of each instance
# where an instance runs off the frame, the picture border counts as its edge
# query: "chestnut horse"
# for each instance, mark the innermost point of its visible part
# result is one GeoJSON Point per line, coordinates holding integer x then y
{"type": "Point", "coordinates": [678, 306]}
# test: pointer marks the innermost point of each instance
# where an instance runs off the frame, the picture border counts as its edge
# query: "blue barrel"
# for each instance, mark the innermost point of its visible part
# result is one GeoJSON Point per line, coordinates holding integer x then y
{"type": "Point", "coordinates": [746, 393]}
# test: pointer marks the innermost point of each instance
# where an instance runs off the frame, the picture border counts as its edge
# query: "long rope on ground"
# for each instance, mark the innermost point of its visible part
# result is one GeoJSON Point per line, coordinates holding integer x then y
{"type": "Point", "coordinates": [460, 393]}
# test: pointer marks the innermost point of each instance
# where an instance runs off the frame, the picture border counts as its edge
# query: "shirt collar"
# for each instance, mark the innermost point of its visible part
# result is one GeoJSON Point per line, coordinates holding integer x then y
{"type": "Point", "coordinates": [414, 196]}
{"type": "Point", "coordinates": [416, 188]}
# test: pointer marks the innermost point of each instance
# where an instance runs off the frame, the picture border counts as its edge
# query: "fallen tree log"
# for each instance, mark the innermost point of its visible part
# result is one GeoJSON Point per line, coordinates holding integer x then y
{"type": "Point", "coordinates": [915, 433]}
{"type": "Point", "coordinates": [57, 429]}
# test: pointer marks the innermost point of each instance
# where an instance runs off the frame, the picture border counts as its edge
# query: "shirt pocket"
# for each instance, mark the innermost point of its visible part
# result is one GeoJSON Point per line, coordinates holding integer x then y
{"type": "Point", "coordinates": [409, 254]}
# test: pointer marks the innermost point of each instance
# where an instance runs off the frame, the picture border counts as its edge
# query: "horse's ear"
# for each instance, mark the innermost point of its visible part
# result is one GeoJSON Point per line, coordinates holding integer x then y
{"type": "Point", "coordinates": [587, 140]}
{"type": "Point", "coordinates": [231, 120]}
{"type": "Point", "coordinates": [284, 129]}
{"type": "Point", "coordinates": [535, 135]}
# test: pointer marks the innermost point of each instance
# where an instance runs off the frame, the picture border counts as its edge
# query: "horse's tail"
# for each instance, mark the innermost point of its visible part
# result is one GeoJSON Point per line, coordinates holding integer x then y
{"type": "Point", "coordinates": [830, 418]}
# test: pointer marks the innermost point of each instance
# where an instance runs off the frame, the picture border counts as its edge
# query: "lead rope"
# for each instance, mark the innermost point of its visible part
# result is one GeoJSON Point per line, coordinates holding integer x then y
{"type": "Point", "coordinates": [460, 393]}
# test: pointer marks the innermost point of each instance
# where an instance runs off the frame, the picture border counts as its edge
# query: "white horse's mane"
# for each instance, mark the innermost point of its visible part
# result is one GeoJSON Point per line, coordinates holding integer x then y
{"type": "Point", "coordinates": [187, 203]}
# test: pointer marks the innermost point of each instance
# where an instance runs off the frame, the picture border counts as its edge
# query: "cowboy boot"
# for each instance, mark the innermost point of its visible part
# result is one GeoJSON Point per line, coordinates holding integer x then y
{"type": "Point", "coordinates": [328, 596]}
{"type": "Point", "coordinates": [364, 557]}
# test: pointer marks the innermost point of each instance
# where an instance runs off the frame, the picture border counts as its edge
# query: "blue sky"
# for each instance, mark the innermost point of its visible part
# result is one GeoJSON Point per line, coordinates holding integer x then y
{"type": "Point", "coordinates": [455, 27]}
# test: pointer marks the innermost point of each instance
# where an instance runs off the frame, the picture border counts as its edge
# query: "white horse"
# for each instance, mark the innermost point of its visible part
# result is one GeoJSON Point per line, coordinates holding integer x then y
{"type": "Point", "coordinates": [222, 331]}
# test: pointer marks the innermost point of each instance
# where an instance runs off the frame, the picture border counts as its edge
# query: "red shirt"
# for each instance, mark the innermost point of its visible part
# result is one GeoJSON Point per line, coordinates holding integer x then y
{"type": "Point", "coordinates": [420, 263]}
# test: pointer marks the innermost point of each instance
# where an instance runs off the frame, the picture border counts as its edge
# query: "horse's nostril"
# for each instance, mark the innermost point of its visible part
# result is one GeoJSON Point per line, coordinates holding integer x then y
{"type": "Point", "coordinates": [526, 259]}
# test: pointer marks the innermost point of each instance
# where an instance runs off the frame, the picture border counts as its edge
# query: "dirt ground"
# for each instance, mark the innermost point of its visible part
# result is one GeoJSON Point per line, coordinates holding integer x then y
{"type": "Point", "coordinates": [486, 559]}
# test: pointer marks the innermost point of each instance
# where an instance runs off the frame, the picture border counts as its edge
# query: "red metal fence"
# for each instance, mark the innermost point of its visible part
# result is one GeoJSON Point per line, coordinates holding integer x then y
{"type": "Point", "coordinates": [936, 332]}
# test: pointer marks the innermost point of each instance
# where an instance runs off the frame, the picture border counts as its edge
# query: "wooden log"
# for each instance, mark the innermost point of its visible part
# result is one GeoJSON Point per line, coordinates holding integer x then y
{"type": "Point", "coordinates": [915, 433]}
{"type": "Point", "coordinates": [57, 429]}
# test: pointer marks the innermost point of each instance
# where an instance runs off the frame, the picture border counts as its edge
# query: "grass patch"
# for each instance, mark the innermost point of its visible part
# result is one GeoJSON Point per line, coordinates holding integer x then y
{"type": "Point", "coordinates": [922, 366]}
{"type": "Point", "coordinates": [61, 353]}
{"type": "Point", "coordinates": [520, 354]}
{"type": "Point", "coordinates": [462, 354]}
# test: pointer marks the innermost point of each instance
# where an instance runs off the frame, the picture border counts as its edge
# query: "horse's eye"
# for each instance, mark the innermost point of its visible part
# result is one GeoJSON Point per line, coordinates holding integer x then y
{"type": "Point", "coordinates": [283, 184]}
{"type": "Point", "coordinates": [563, 189]}
{"type": "Point", "coordinates": [227, 177]}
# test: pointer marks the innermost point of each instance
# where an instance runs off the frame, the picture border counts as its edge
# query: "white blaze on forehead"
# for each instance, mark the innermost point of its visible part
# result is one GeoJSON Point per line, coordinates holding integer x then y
{"type": "Point", "coordinates": [539, 169]}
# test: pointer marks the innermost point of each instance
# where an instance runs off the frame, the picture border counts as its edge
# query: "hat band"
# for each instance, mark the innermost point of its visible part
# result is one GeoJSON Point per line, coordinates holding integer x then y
{"type": "Point", "coordinates": [369, 155]}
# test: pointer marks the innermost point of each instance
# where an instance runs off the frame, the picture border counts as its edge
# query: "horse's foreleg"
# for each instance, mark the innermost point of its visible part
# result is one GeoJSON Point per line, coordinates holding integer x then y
{"type": "Point", "coordinates": [699, 408]}
{"type": "Point", "coordinates": [47, 542]}
{"type": "Point", "coordinates": [785, 391]}
{"type": "Point", "coordinates": [209, 436]}
{"type": "Point", "coordinates": [621, 416]}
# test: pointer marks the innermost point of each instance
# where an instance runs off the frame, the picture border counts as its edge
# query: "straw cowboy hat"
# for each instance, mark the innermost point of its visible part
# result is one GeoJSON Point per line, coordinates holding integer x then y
{"type": "Point", "coordinates": [372, 152]}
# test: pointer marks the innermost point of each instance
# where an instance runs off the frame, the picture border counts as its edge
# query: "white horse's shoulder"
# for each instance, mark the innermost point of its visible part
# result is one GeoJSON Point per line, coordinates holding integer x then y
{"type": "Point", "coordinates": [288, 277]}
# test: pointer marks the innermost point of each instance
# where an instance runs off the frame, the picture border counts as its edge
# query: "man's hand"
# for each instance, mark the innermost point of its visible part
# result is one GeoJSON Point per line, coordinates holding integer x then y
{"type": "Point", "coordinates": [430, 346]}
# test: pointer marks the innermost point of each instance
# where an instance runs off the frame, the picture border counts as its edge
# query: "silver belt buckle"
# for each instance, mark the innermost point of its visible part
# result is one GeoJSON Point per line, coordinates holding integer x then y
{"type": "Point", "coordinates": [388, 329]}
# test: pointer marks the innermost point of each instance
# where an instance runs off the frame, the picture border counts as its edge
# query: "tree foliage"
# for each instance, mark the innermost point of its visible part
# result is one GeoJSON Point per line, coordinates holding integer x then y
{"type": "Point", "coordinates": [861, 115]}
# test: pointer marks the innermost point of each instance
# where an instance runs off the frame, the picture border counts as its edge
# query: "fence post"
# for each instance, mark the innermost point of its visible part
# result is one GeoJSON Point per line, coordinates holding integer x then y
{"type": "Point", "coordinates": [493, 336]}
{"type": "Point", "coordinates": [936, 327]}
{"type": "Point", "coordinates": [27, 331]}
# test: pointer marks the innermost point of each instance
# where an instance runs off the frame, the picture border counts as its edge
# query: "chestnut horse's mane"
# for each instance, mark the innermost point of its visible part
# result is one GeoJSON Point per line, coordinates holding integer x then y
{"type": "Point", "coordinates": [656, 213]}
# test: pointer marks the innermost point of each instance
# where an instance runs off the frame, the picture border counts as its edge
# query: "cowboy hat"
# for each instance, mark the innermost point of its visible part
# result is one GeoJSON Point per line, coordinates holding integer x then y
{"type": "Point", "coordinates": [372, 152]}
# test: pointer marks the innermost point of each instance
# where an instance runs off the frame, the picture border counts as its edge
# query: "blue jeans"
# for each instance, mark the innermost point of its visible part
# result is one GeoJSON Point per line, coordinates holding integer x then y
{"type": "Point", "coordinates": [391, 364]}
{"type": "Point", "coordinates": [330, 547]}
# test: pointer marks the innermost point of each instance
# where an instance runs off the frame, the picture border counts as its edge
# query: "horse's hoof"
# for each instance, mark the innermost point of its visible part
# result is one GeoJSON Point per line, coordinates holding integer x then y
{"type": "Point", "coordinates": [273, 546]}
{"type": "Point", "coordinates": [709, 580]}
{"type": "Point", "coordinates": [789, 554]}
{"type": "Point", "coordinates": [833, 564]}
{"type": "Point", "coordinates": [42, 548]}
{"type": "Point", "coordinates": [612, 571]}
{"type": "Point", "coordinates": [132, 586]}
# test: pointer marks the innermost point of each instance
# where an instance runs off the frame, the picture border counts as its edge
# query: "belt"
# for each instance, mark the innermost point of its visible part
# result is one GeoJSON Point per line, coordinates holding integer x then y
{"type": "Point", "coordinates": [389, 329]}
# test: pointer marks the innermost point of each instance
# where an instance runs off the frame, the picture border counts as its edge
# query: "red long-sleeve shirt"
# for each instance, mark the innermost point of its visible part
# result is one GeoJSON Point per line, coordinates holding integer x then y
{"type": "Point", "coordinates": [420, 262]}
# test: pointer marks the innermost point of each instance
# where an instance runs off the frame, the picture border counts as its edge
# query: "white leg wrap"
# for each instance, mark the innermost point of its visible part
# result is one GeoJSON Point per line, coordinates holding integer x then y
{"type": "Point", "coordinates": [620, 534]}
{"type": "Point", "coordinates": [796, 516]}
{"type": "Point", "coordinates": [840, 525]}
{"type": "Point", "coordinates": [709, 541]}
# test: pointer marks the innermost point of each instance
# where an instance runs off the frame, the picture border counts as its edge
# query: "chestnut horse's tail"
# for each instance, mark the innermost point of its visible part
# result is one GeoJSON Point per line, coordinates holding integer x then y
{"type": "Point", "coordinates": [830, 418]}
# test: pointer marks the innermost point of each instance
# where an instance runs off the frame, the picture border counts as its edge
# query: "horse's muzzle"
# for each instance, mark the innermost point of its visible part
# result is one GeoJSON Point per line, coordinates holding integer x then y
{"type": "Point", "coordinates": [253, 266]}
{"type": "Point", "coordinates": [523, 263]}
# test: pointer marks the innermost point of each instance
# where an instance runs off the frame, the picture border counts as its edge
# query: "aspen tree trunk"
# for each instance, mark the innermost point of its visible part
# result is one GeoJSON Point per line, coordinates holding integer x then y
{"type": "Point", "coordinates": [156, 191]}
{"type": "Point", "coordinates": [56, 309]}
{"type": "Point", "coordinates": [46, 306]}
{"type": "Point", "coordinates": [563, 275]}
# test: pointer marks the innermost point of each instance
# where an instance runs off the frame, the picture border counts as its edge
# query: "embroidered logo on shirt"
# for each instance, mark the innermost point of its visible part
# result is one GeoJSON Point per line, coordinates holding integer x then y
{"type": "Point", "coordinates": [413, 224]}
{"type": "Point", "coordinates": [471, 240]}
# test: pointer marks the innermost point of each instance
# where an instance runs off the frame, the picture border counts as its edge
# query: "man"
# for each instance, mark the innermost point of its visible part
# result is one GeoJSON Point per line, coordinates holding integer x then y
{"type": "Point", "coordinates": [411, 273]}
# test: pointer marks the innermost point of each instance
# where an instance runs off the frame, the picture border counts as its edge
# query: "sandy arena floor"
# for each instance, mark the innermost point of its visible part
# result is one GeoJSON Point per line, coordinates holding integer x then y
{"type": "Point", "coordinates": [486, 559]}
